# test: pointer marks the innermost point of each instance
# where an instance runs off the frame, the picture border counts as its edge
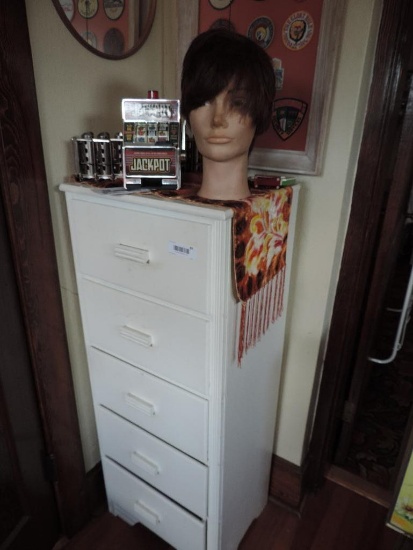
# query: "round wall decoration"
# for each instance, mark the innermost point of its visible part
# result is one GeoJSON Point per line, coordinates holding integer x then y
{"type": "Point", "coordinates": [261, 31]}
{"type": "Point", "coordinates": [220, 4]}
{"type": "Point", "coordinates": [298, 30]}
{"type": "Point", "coordinates": [223, 24]}
{"type": "Point", "coordinates": [90, 38]}
{"type": "Point", "coordinates": [87, 8]}
{"type": "Point", "coordinates": [114, 8]}
{"type": "Point", "coordinates": [113, 42]}
{"type": "Point", "coordinates": [68, 7]}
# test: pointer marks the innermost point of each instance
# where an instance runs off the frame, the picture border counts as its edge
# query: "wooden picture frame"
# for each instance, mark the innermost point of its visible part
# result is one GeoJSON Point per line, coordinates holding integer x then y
{"type": "Point", "coordinates": [310, 160]}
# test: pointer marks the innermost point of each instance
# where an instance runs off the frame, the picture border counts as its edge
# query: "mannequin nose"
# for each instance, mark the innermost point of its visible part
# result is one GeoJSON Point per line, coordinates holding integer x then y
{"type": "Point", "coordinates": [219, 116]}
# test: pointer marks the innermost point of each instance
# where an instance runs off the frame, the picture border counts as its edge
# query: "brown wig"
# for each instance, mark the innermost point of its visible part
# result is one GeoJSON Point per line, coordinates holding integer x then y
{"type": "Point", "coordinates": [218, 58]}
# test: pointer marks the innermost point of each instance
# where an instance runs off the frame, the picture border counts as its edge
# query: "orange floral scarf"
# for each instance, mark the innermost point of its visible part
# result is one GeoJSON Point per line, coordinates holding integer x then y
{"type": "Point", "coordinates": [260, 232]}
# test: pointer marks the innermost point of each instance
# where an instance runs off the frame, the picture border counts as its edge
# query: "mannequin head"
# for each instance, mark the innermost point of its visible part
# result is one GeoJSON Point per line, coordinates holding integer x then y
{"type": "Point", "coordinates": [228, 87]}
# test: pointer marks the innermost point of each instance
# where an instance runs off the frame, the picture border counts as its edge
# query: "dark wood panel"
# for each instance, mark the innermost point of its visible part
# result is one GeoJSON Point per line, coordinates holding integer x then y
{"type": "Point", "coordinates": [26, 203]}
{"type": "Point", "coordinates": [28, 513]}
{"type": "Point", "coordinates": [373, 177]}
{"type": "Point", "coordinates": [386, 253]}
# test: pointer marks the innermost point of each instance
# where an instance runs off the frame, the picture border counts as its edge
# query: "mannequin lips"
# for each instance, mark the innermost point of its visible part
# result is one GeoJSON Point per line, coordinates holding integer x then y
{"type": "Point", "coordinates": [218, 140]}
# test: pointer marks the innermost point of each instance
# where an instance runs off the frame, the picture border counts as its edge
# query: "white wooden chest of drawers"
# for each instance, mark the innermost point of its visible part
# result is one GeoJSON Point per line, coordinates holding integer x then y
{"type": "Point", "coordinates": [185, 434]}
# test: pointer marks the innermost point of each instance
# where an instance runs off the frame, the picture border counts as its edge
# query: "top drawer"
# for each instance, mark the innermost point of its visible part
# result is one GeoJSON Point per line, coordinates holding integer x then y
{"type": "Point", "coordinates": [163, 257]}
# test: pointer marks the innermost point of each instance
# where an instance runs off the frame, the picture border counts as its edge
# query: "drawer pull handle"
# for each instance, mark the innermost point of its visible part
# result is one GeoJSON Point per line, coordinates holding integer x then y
{"type": "Point", "coordinates": [141, 404]}
{"type": "Point", "coordinates": [147, 512]}
{"type": "Point", "coordinates": [145, 463]}
{"type": "Point", "coordinates": [142, 338]}
{"type": "Point", "coordinates": [126, 252]}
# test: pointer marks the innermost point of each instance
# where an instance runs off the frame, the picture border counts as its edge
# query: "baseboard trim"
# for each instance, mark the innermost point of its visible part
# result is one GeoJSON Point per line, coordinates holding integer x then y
{"type": "Point", "coordinates": [287, 481]}
{"type": "Point", "coordinates": [286, 485]}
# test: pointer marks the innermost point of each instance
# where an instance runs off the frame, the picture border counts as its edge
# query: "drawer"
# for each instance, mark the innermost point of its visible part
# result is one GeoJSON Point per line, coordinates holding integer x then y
{"type": "Point", "coordinates": [164, 341]}
{"type": "Point", "coordinates": [170, 413]}
{"type": "Point", "coordinates": [175, 474]}
{"type": "Point", "coordinates": [134, 501]}
{"type": "Point", "coordinates": [143, 252]}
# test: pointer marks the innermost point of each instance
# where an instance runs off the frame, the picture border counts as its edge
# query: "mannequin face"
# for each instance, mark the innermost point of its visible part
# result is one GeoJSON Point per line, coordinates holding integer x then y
{"type": "Point", "coordinates": [221, 132]}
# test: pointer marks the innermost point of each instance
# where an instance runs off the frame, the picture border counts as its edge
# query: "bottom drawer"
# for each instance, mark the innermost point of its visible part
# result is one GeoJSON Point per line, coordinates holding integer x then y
{"type": "Point", "coordinates": [134, 501]}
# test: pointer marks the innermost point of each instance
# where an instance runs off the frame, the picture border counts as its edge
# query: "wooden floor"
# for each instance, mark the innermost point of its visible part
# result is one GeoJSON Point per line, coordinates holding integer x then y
{"type": "Point", "coordinates": [335, 518]}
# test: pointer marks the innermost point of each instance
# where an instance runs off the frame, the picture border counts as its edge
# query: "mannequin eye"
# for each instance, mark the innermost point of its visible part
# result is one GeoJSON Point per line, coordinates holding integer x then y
{"type": "Point", "coordinates": [238, 102]}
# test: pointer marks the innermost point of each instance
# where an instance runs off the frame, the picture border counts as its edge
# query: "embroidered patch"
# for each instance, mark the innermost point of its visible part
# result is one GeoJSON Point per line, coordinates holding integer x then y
{"type": "Point", "coordinates": [261, 31]}
{"type": "Point", "coordinates": [287, 115]}
{"type": "Point", "coordinates": [279, 73]}
{"type": "Point", "coordinates": [298, 30]}
{"type": "Point", "coordinates": [223, 24]}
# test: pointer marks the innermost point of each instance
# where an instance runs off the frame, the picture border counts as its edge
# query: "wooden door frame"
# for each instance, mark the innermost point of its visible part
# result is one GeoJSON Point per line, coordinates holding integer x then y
{"type": "Point", "coordinates": [27, 211]}
{"type": "Point", "coordinates": [386, 255]}
{"type": "Point", "coordinates": [369, 198]}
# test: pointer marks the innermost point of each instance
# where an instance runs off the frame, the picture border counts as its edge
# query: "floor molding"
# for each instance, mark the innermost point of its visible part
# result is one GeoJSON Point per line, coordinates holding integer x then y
{"type": "Point", "coordinates": [287, 486]}
{"type": "Point", "coordinates": [287, 482]}
{"type": "Point", "coordinates": [359, 485]}
{"type": "Point", "coordinates": [95, 487]}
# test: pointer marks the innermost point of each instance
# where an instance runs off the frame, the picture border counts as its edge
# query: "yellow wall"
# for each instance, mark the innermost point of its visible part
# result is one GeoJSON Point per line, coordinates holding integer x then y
{"type": "Point", "coordinates": [78, 91]}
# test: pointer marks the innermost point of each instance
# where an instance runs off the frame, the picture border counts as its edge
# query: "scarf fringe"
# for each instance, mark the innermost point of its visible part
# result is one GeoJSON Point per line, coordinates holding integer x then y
{"type": "Point", "coordinates": [261, 310]}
